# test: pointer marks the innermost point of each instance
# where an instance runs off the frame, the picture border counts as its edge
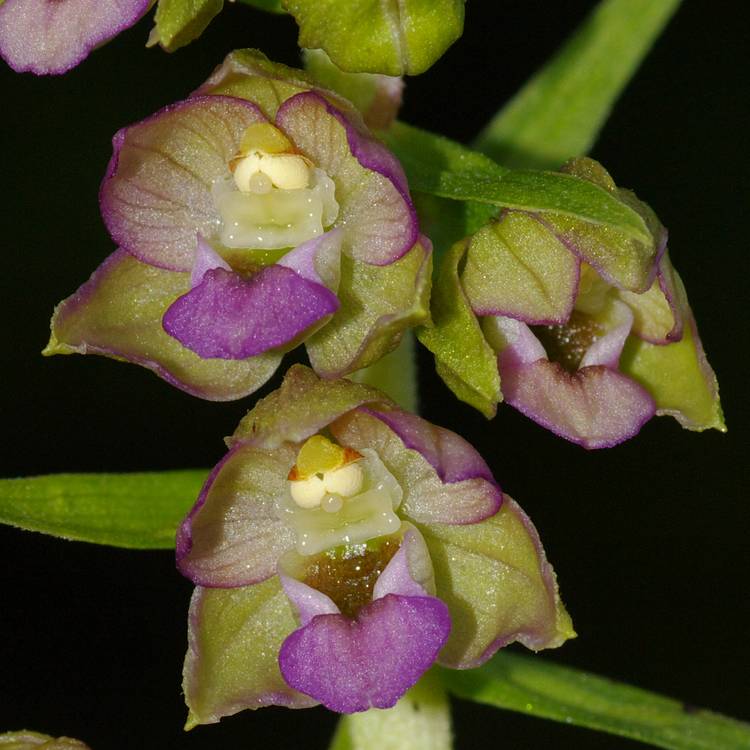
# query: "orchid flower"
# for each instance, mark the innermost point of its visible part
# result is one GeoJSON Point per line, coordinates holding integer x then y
{"type": "Point", "coordinates": [343, 546]}
{"type": "Point", "coordinates": [252, 216]}
{"type": "Point", "coordinates": [592, 333]}
{"type": "Point", "coordinates": [53, 36]}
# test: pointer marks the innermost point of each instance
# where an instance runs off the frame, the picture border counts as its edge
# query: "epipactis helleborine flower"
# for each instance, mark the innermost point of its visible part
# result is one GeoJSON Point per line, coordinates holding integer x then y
{"type": "Point", "coordinates": [592, 333]}
{"type": "Point", "coordinates": [252, 216]}
{"type": "Point", "coordinates": [53, 36]}
{"type": "Point", "coordinates": [342, 547]}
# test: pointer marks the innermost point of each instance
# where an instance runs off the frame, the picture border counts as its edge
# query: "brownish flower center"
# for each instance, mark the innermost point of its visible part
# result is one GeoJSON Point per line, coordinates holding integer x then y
{"type": "Point", "coordinates": [568, 343]}
{"type": "Point", "coordinates": [348, 574]}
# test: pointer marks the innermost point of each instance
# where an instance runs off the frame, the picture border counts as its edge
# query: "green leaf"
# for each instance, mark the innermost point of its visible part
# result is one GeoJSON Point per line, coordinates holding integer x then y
{"type": "Point", "coordinates": [139, 511]}
{"type": "Point", "coordinates": [463, 358]}
{"type": "Point", "coordinates": [537, 687]}
{"type": "Point", "coordinates": [419, 721]}
{"type": "Point", "coordinates": [393, 37]}
{"type": "Point", "coordinates": [179, 22]}
{"type": "Point", "coordinates": [272, 6]}
{"type": "Point", "coordinates": [559, 112]}
{"type": "Point", "coordinates": [439, 166]}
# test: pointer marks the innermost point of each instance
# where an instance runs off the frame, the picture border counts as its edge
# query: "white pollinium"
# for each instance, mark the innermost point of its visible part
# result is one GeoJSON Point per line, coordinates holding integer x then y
{"type": "Point", "coordinates": [285, 171]}
{"type": "Point", "coordinates": [308, 493]}
{"type": "Point", "coordinates": [363, 508]}
{"type": "Point", "coordinates": [346, 481]}
{"type": "Point", "coordinates": [257, 213]}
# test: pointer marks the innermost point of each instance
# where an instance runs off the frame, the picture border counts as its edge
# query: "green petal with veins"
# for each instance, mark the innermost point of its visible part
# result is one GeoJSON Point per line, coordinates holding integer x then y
{"type": "Point", "coordinates": [464, 360]}
{"type": "Point", "coordinates": [516, 266]}
{"type": "Point", "coordinates": [393, 37]}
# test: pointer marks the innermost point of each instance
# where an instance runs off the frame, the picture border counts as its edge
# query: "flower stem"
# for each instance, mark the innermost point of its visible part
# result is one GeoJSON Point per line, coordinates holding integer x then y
{"type": "Point", "coordinates": [419, 721]}
{"type": "Point", "coordinates": [395, 374]}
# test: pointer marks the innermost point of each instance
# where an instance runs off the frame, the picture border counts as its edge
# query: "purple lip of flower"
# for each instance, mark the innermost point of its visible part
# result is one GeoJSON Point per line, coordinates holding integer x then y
{"type": "Point", "coordinates": [53, 36]}
{"type": "Point", "coordinates": [353, 624]}
{"type": "Point", "coordinates": [595, 406]}
{"type": "Point", "coordinates": [371, 661]}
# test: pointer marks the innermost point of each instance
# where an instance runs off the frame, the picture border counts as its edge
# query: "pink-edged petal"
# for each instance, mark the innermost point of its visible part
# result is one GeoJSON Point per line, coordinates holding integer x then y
{"type": "Point", "coordinates": [407, 570]}
{"type": "Point", "coordinates": [606, 350]}
{"type": "Point", "coordinates": [118, 313]}
{"type": "Point", "coordinates": [318, 260]}
{"type": "Point", "coordinates": [370, 662]}
{"type": "Point", "coordinates": [308, 602]}
{"type": "Point", "coordinates": [234, 636]}
{"type": "Point", "coordinates": [229, 317]}
{"type": "Point", "coordinates": [206, 259]}
{"type": "Point", "coordinates": [452, 457]}
{"type": "Point", "coordinates": [375, 206]}
{"type": "Point", "coordinates": [232, 536]}
{"type": "Point", "coordinates": [156, 194]}
{"type": "Point", "coordinates": [466, 492]}
{"type": "Point", "coordinates": [53, 36]}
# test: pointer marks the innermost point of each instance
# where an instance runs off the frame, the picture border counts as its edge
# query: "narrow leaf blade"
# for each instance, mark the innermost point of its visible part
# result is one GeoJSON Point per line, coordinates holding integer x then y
{"type": "Point", "coordinates": [439, 166]}
{"type": "Point", "coordinates": [138, 511]}
{"type": "Point", "coordinates": [540, 688]}
{"type": "Point", "coordinates": [559, 112]}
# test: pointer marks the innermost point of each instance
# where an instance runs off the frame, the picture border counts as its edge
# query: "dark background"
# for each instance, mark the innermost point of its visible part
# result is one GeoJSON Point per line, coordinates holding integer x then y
{"type": "Point", "coordinates": [650, 539]}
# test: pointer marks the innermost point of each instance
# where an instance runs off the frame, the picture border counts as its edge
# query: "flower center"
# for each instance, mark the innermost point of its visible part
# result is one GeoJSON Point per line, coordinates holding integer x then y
{"type": "Point", "coordinates": [566, 344]}
{"type": "Point", "coordinates": [338, 496]}
{"type": "Point", "coordinates": [348, 574]}
{"type": "Point", "coordinates": [275, 198]}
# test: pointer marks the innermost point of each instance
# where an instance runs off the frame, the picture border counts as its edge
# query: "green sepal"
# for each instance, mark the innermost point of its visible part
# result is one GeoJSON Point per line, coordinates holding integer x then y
{"type": "Point", "coordinates": [498, 585]}
{"type": "Point", "coordinates": [377, 304]}
{"type": "Point", "coordinates": [26, 740]}
{"type": "Point", "coordinates": [301, 406]}
{"type": "Point", "coordinates": [137, 511]}
{"type": "Point", "coordinates": [541, 689]}
{"type": "Point", "coordinates": [235, 637]}
{"type": "Point", "coordinates": [678, 377]}
{"type": "Point", "coordinates": [463, 358]}
{"type": "Point", "coordinates": [249, 74]}
{"type": "Point", "coordinates": [371, 36]}
{"type": "Point", "coordinates": [179, 22]}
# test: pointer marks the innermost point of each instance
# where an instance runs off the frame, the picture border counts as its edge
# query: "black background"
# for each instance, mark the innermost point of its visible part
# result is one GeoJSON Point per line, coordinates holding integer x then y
{"type": "Point", "coordinates": [650, 539]}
